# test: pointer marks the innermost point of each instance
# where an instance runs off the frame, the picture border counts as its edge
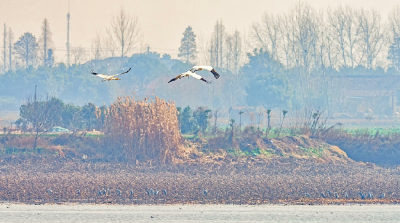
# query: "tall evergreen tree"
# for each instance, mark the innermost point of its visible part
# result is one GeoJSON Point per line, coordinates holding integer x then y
{"type": "Point", "coordinates": [50, 58]}
{"type": "Point", "coordinates": [187, 51]}
{"type": "Point", "coordinates": [45, 42]}
{"type": "Point", "coordinates": [394, 53]}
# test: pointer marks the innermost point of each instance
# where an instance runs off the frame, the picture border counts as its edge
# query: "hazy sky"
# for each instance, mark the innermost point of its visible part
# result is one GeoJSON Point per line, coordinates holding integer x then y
{"type": "Point", "coordinates": [162, 21]}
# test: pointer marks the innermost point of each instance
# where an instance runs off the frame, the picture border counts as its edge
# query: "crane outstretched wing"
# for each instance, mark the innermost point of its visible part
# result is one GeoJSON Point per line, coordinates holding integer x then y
{"type": "Point", "coordinates": [100, 75]}
{"type": "Point", "coordinates": [176, 78]}
{"type": "Point", "coordinates": [199, 77]}
{"type": "Point", "coordinates": [209, 68]}
{"type": "Point", "coordinates": [122, 73]}
{"type": "Point", "coordinates": [195, 75]}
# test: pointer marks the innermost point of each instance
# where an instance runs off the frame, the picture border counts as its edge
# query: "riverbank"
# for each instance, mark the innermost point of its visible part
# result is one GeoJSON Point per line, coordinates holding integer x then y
{"type": "Point", "coordinates": [275, 181]}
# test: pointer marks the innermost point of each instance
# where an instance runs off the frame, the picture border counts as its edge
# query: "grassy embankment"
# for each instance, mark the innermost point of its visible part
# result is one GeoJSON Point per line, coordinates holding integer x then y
{"type": "Point", "coordinates": [142, 152]}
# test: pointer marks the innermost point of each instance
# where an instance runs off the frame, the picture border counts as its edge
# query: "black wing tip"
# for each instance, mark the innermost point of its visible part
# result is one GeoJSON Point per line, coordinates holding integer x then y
{"type": "Point", "coordinates": [94, 73]}
{"type": "Point", "coordinates": [208, 82]}
{"type": "Point", "coordinates": [216, 75]}
{"type": "Point", "coordinates": [129, 70]}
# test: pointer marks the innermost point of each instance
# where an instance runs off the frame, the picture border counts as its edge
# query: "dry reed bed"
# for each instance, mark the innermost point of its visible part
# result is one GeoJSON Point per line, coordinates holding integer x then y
{"type": "Point", "coordinates": [142, 130]}
{"type": "Point", "coordinates": [276, 181]}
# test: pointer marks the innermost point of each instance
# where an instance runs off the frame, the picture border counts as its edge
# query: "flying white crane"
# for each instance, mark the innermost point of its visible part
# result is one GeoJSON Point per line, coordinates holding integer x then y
{"type": "Point", "coordinates": [209, 68]}
{"type": "Point", "coordinates": [109, 77]}
{"type": "Point", "coordinates": [187, 74]}
{"type": "Point", "coordinates": [192, 72]}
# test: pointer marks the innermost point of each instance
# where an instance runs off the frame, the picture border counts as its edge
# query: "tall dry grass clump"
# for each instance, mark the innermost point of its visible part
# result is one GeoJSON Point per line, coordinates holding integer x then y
{"type": "Point", "coordinates": [142, 130]}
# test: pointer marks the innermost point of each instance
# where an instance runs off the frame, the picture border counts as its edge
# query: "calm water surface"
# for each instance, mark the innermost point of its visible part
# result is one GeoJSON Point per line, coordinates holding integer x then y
{"type": "Point", "coordinates": [198, 213]}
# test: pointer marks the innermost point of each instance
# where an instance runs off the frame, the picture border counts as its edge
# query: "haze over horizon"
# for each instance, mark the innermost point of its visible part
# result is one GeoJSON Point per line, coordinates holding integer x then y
{"type": "Point", "coordinates": [162, 22]}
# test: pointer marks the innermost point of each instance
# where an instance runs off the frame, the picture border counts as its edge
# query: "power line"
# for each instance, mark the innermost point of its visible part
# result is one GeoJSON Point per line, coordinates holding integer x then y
{"type": "Point", "coordinates": [109, 50]}
{"type": "Point", "coordinates": [12, 88]}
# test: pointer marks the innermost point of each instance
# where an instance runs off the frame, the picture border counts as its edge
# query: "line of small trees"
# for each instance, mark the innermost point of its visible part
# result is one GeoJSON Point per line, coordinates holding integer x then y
{"type": "Point", "coordinates": [194, 121]}
{"type": "Point", "coordinates": [120, 40]}
{"type": "Point", "coordinates": [27, 50]}
{"type": "Point", "coordinates": [303, 38]}
{"type": "Point", "coordinates": [307, 39]}
{"type": "Point", "coordinates": [45, 113]}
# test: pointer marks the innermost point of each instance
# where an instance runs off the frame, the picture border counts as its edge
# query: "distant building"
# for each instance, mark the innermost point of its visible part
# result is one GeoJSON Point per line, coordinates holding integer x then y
{"type": "Point", "coordinates": [357, 96]}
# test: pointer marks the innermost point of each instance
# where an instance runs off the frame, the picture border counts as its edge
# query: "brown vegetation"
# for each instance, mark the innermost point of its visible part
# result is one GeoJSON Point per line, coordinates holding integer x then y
{"type": "Point", "coordinates": [244, 168]}
{"type": "Point", "coordinates": [382, 149]}
{"type": "Point", "coordinates": [251, 181]}
{"type": "Point", "coordinates": [141, 130]}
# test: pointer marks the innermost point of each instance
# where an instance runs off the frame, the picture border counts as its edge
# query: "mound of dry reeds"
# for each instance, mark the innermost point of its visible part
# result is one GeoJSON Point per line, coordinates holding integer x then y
{"type": "Point", "coordinates": [142, 130]}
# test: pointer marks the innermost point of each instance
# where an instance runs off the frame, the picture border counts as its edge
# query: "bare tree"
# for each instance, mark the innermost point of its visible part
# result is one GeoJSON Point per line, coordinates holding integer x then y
{"type": "Point", "coordinates": [26, 48]}
{"type": "Point", "coordinates": [236, 51]}
{"type": "Point", "coordinates": [39, 114]}
{"type": "Point", "coordinates": [287, 39]}
{"type": "Point", "coordinates": [393, 26]}
{"type": "Point", "coordinates": [45, 42]}
{"type": "Point", "coordinates": [266, 34]}
{"type": "Point", "coordinates": [343, 21]}
{"type": "Point", "coordinates": [204, 50]}
{"type": "Point", "coordinates": [229, 51]}
{"type": "Point", "coordinates": [108, 48]}
{"type": "Point", "coordinates": [352, 33]}
{"type": "Point", "coordinates": [394, 53]}
{"type": "Point", "coordinates": [371, 37]}
{"type": "Point", "coordinates": [233, 87]}
{"type": "Point", "coordinates": [217, 45]}
{"type": "Point", "coordinates": [302, 38]}
{"type": "Point", "coordinates": [124, 33]}
{"type": "Point", "coordinates": [97, 47]}
{"type": "Point", "coordinates": [306, 34]}
{"type": "Point", "coordinates": [329, 45]}
{"type": "Point", "coordinates": [338, 22]}
{"type": "Point", "coordinates": [79, 54]}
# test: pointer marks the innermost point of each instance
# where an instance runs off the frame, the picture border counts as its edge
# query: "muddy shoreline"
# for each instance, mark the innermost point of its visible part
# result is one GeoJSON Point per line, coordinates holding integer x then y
{"type": "Point", "coordinates": [276, 181]}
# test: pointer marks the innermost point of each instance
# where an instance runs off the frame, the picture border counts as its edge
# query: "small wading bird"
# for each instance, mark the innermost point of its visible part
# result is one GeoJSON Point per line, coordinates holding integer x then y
{"type": "Point", "coordinates": [109, 77]}
{"type": "Point", "coordinates": [192, 73]}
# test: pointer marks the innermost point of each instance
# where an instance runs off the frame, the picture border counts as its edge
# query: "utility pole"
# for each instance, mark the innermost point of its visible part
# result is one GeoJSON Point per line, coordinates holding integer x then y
{"type": "Point", "coordinates": [213, 103]}
{"type": "Point", "coordinates": [10, 36]}
{"type": "Point", "coordinates": [35, 94]}
{"type": "Point", "coordinates": [331, 98]}
{"type": "Point", "coordinates": [68, 17]}
{"type": "Point", "coordinates": [4, 48]}
{"type": "Point", "coordinates": [240, 122]}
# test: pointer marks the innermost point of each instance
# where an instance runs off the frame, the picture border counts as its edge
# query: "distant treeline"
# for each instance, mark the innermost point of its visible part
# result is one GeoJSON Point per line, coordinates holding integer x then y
{"type": "Point", "coordinates": [262, 81]}
{"type": "Point", "coordinates": [51, 111]}
{"type": "Point", "coordinates": [286, 61]}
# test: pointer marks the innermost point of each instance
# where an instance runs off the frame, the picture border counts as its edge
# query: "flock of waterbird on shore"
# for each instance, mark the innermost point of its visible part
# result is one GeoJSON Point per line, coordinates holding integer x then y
{"type": "Point", "coordinates": [189, 73]}
{"type": "Point", "coordinates": [150, 192]}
